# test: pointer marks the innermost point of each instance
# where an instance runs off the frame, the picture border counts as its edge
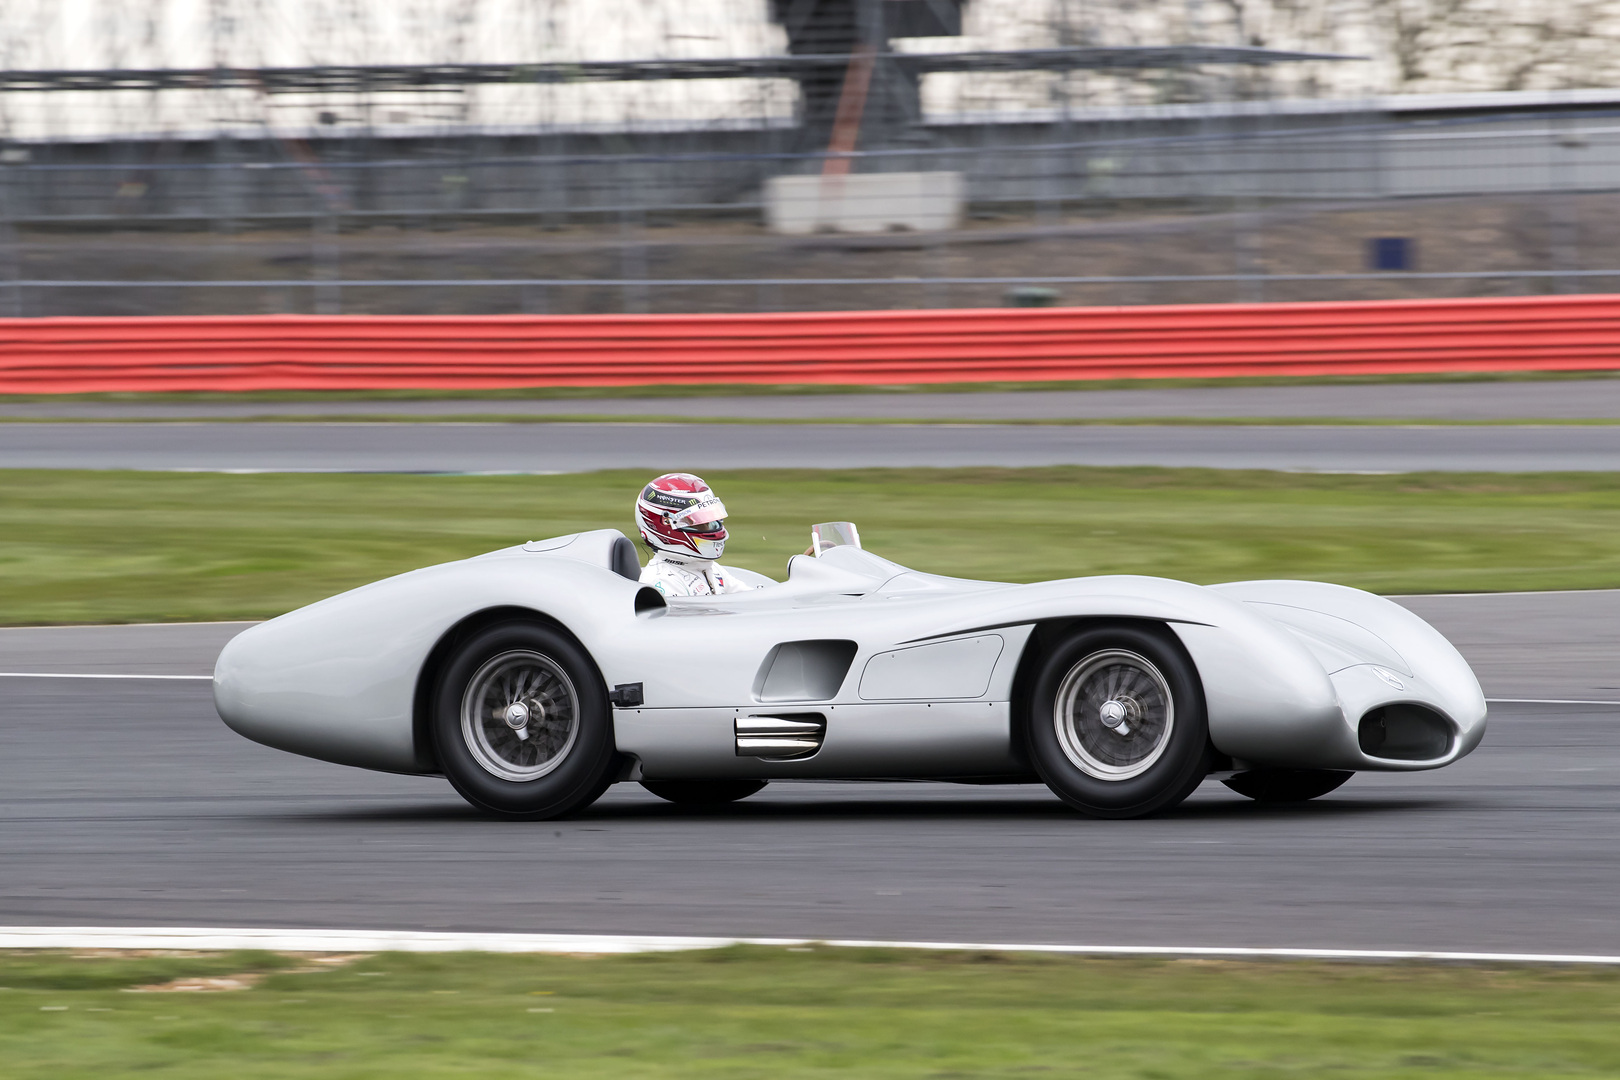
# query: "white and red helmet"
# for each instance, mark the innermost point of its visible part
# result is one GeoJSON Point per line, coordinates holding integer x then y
{"type": "Point", "coordinates": [678, 513]}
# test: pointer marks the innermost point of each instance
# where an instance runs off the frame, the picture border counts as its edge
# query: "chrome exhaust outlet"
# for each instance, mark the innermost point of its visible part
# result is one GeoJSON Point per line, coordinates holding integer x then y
{"type": "Point", "coordinates": [780, 738]}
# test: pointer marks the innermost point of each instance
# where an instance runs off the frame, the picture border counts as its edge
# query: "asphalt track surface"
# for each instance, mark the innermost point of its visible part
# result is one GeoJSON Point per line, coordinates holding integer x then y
{"type": "Point", "coordinates": [126, 801]}
{"type": "Point", "coordinates": [583, 447]}
{"type": "Point", "coordinates": [1565, 399]}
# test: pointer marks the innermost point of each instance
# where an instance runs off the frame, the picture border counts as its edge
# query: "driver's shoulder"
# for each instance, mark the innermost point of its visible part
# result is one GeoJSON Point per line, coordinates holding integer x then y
{"type": "Point", "coordinates": [667, 578]}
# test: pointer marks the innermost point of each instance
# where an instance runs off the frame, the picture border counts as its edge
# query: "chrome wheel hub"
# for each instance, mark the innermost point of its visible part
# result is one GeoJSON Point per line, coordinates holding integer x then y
{"type": "Point", "coordinates": [520, 715]}
{"type": "Point", "coordinates": [1113, 714]}
{"type": "Point", "coordinates": [1116, 715]}
{"type": "Point", "coordinates": [517, 717]}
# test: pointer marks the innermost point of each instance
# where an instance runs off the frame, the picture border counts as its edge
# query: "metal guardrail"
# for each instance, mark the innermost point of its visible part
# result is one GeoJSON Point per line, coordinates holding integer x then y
{"type": "Point", "coordinates": [397, 78]}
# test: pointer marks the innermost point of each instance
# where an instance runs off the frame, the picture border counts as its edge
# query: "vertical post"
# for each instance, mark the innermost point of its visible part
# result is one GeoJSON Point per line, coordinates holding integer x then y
{"type": "Point", "coordinates": [327, 262]}
{"type": "Point", "coordinates": [1247, 218]}
{"type": "Point", "coordinates": [219, 198]}
{"type": "Point", "coordinates": [1257, 173]}
{"type": "Point", "coordinates": [846, 131]}
{"type": "Point", "coordinates": [1564, 217]}
{"type": "Point", "coordinates": [10, 247]}
{"type": "Point", "coordinates": [11, 159]}
{"type": "Point", "coordinates": [633, 243]}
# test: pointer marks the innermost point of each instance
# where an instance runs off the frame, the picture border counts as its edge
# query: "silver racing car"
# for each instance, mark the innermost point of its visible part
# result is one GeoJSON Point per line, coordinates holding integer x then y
{"type": "Point", "coordinates": [536, 676]}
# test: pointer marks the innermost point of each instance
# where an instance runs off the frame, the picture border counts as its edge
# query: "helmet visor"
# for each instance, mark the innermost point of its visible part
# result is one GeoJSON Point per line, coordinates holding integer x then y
{"type": "Point", "coordinates": [695, 518]}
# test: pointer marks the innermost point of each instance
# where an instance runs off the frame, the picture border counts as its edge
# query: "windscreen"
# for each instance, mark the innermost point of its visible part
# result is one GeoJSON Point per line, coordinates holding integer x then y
{"type": "Point", "coordinates": [831, 534]}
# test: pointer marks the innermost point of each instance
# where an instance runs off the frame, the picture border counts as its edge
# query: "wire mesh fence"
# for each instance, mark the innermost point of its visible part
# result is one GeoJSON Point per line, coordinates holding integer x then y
{"type": "Point", "coordinates": [1185, 208]}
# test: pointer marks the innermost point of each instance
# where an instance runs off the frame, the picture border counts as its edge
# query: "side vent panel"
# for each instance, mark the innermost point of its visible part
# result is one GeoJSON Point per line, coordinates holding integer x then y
{"type": "Point", "coordinates": [780, 738]}
{"type": "Point", "coordinates": [804, 670]}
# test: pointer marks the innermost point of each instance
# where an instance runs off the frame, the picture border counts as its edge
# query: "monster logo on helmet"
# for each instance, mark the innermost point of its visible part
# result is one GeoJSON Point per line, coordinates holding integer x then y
{"type": "Point", "coordinates": [678, 513]}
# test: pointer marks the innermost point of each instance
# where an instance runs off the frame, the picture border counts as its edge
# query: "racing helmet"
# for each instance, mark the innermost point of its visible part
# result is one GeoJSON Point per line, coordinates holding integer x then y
{"type": "Point", "coordinates": [678, 513]}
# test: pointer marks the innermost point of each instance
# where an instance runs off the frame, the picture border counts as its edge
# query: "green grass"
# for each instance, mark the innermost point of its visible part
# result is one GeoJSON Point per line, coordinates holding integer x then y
{"type": "Point", "coordinates": [754, 1012]}
{"type": "Point", "coordinates": [131, 546]}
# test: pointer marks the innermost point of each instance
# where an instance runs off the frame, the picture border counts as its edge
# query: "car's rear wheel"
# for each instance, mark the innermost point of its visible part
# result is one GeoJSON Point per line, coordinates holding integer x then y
{"type": "Point", "coordinates": [1116, 722]}
{"type": "Point", "coordinates": [703, 792]}
{"type": "Point", "coordinates": [521, 725]}
{"type": "Point", "coordinates": [1286, 785]}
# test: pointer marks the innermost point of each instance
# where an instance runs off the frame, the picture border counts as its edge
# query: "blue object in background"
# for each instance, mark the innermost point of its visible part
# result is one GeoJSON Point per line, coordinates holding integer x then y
{"type": "Point", "coordinates": [1390, 253]}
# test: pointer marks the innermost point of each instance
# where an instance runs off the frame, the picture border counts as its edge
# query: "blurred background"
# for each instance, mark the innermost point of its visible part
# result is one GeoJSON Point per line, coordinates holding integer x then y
{"type": "Point", "coordinates": [491, 156]}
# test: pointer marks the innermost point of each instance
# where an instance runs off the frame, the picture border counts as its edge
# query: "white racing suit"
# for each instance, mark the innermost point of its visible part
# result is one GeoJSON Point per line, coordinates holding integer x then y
{"type": "Point", "coordinates": [675, 576]}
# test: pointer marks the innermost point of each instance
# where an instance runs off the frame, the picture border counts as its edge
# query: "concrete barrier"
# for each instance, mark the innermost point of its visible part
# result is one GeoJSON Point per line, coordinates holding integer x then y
{"type": "Point", "coordinates": [864, 202]}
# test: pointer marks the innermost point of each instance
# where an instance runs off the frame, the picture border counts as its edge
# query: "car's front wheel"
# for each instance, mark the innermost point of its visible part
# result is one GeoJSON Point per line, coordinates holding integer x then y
{"type": "Point", "coordinates": [1286, 785]}
{"type": "Point", "coordinates": [521, 725]}
{"type": "Point", "coordinates": [1116, 721]}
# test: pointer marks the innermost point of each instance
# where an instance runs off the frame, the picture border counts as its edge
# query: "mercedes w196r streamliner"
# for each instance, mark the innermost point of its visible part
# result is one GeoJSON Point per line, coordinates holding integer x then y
{"type": "Point", "coordinates": [536, 676]}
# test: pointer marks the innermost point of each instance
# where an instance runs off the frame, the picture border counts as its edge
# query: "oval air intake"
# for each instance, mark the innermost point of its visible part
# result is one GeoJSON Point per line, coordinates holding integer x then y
{"type": "Point", "coordinates": [1405, 732]}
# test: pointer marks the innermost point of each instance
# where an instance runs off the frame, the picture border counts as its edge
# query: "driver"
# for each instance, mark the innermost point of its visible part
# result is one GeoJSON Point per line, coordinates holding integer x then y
{"type": "Point", "coordinates": [683, 522]}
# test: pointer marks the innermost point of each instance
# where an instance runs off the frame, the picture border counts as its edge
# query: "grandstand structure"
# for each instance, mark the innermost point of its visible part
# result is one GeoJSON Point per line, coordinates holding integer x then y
{"type": "Point", "coordinates": [457, 136]}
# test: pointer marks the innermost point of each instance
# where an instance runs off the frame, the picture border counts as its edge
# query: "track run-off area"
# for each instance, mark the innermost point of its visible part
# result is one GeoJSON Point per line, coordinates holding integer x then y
{"type": "Point", "coordinates": [1542, 426]}
{"type": "Point", "coordinates": [127, 802]}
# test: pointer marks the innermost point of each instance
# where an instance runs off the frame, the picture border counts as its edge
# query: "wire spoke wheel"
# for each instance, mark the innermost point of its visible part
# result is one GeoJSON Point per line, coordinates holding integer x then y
{"type": "Point", "coordinates": [1114, 714]}
{"type": "Point", "coordinates": [520, 715]}
{"type": "Point", "coordinates": [1116, 720]}
{"type": "Point", "coordinates": [520, 722]}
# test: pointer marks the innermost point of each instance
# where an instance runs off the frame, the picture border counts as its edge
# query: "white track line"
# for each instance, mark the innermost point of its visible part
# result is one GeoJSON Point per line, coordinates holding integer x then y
{"type": "Point", "coordinates": [211, 939]}
{"type": "Point", "coordinates": [89, 675]}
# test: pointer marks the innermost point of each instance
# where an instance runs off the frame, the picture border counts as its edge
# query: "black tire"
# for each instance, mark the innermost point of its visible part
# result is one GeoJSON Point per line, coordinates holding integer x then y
{"type": "Point", "coordinates": [703, 792]}
{"type": "Point", "coordinates": [1286, 785]}
{"type": "Point", "coordinates": [564, 758]}
{"type": "Point", "coordinates": [1122, 772]}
